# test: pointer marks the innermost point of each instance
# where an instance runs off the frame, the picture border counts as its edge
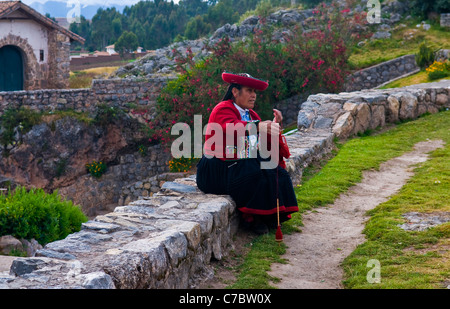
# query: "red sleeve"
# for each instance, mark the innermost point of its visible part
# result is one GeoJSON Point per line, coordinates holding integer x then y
{"type": "Point", "coordinates": [226, 113]}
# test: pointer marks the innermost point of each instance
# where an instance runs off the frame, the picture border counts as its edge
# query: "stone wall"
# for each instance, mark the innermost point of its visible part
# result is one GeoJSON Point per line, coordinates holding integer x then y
{"type": "Point", "coordinates": [289, 108]}
{"type": "Point", "coordinates": [48, 100]}
{"type": "Point", "coordinates": [347, 114]}
{"type": "Point", "coordinates": [382, 73]}
{"type": "Point", "coordinates": [126, 94]}
{"type": "Point", "coordinates": [139, 92]}
{"type": "Point", "coordinates": [59, 69]}
{"type": "Point", "coordinates": [146, 187]}
{"type": "Point", "coordinates": [125, 181]}
{"type": "Point", "coordinates": [123, 93]}
{"type": "Point", "coordinates": [164, 241]}
{"type": "Point", "coordinates": [445, 20]}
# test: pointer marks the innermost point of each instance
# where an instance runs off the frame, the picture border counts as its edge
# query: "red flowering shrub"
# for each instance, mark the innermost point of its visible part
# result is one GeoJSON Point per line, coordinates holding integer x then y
{"type": "Point", "coordinates": [310, 61]}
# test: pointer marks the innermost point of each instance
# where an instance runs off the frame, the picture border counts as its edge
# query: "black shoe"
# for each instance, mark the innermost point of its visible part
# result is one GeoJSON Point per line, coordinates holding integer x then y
{"type": "Point", "coordinates": [260, 228]}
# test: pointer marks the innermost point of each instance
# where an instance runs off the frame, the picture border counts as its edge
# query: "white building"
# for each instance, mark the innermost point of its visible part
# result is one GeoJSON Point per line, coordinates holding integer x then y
{"type": "Point", "coordinates": [34, 50]}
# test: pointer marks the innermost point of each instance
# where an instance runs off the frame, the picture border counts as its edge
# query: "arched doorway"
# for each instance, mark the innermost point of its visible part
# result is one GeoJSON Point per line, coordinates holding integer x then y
{"type": "Point", "coordinates": [11, 68]}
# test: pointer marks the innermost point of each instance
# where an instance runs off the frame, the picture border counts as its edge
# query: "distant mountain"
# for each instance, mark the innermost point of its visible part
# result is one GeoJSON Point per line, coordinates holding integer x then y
{"type": "Point", "coordinates": [60, 9]}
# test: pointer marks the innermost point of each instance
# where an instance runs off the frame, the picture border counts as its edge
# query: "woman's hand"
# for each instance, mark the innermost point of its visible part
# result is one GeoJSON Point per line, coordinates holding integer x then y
{"type": "Point", "coordinates": [277, 116]}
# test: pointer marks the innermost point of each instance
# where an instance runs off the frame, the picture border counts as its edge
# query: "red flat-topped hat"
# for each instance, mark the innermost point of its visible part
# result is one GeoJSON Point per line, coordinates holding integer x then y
{"type": "Point", "coordinates": [245, 79]}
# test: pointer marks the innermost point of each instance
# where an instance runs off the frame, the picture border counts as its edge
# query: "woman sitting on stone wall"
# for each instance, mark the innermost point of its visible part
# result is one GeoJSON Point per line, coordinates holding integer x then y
{"type": "Point", "coordinates": [233, 164]}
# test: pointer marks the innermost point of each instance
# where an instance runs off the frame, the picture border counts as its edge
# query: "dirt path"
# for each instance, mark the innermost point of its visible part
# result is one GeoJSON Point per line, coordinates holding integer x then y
{"type": "Point", "coordinates": [331, 233]}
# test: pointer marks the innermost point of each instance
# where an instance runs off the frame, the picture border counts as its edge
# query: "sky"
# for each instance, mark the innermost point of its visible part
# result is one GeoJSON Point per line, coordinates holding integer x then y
{"type": "Point", "coordinates": [87, 2]}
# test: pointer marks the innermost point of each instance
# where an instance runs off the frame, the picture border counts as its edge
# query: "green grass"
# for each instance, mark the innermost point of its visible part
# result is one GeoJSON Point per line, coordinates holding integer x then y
{"type": "Point", "coordinates": [365, 153]}
{"type": "Point", "coordinates": [340, 173]}
{"type": "Point", "coordinates": [417, 78]}
{"type": "Point", "coordinates": [377, 51]}
{"type": "Point", "coordinates": [253, 272]}
{"type": "Point", "coordinates": [412, 260]}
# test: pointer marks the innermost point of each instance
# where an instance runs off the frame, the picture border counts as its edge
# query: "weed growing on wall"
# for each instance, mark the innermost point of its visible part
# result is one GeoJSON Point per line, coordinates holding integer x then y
{"type": "Point", "coordinates": [96, 169]}
{"type": "Point", "coordinates": [439, 69]}
{"type": "Point", "coordinates": [181, 164]}
{"type": "Point", "coordinates": [142, 150]}
{"type": "Point", "coordinates": [107, 114]}
{"type": "Point", "coordinates": [15, 122]}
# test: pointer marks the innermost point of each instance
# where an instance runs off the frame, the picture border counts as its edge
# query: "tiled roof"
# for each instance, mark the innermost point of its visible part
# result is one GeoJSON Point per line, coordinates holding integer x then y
{"type": "Point", "coordinates": [4, 5]}
{"type": "Point", "coordinates": [7, 7]}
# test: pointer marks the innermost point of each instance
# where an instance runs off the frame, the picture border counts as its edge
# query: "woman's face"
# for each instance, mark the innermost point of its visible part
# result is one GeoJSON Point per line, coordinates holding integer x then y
{"type": "Point", "coordinates": [245, 98]}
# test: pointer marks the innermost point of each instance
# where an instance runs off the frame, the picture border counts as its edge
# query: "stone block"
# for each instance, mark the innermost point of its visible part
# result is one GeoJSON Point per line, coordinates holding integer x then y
{"type": "Point", "coordinates": [408, 106]}
{"type": "Point", "coordinates": [322, 122]}
{"type": "Point", "coordinates": [442, 99]}
{"type": "Point", "coordinates": [362, 118]}
{"type": "Point", "coordinates": [169, 185]}
{"type": "Point", "coordinates": [350, 107]}
{"type": "Point", "coordinates": [10, 244]}
{"type": "Point", "coordinates": [378, 116]}
{"type": "Point", "coordinates": [97, 280]}
{"type": "Point", "coordinates": [392, 109]}
{"type": "Point", "coordinates": [23, 266]}
{"type": "Point", "coordinates": [344, 125]}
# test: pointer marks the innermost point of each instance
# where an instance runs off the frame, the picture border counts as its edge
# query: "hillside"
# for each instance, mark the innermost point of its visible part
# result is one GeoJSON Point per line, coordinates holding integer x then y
{"type": "Point", "coordinates": [158, 23]}
{"type": "Point", "coordinates": [398, 33]}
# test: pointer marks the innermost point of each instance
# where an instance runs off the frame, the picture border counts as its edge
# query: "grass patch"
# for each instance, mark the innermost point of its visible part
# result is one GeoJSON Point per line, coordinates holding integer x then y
{"type": "Point", "coordinates": [412, 260]}
{"type": "Point", "coordinates": [336, 176]}
{"type": "Point", "coordinates": [83, 78]}
{"type": "Point", "coordinates": [404, 41]}
{"type": "Point", "coordinates": [368, 152]}
{"type": "Point", "coordinates": [417, 78]}
{"type": "Point", "coordinates": [253, 271]}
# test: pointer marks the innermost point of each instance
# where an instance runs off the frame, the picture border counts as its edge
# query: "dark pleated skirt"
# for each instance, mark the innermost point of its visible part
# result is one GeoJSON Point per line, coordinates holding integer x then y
{"type": "Point", "coordinates": [254, 190]}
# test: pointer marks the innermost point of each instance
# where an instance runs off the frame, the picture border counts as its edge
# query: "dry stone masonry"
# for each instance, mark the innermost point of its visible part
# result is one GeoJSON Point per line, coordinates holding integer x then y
{"type": "Point", "coordinates": [168, 240]}
{"type": "Point", "coordinates": [127, 93]}
{"type": "Point", "coordinates": [347, 114]}
{"type": "Point", "coordinates": [382, 73]}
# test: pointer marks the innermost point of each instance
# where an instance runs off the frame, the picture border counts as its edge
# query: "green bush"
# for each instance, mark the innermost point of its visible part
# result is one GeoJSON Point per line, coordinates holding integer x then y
{"type": "Point", "coordinates": [36, 214]}
{"type": "Point", "coordinates": [425, 56]}
{"type": "Point", "coordinates": [107, 114]}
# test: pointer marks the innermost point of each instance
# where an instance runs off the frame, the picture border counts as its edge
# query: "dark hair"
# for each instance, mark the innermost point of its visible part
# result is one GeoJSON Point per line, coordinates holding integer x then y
{"type": "Point", "coordinates": [229, 94]}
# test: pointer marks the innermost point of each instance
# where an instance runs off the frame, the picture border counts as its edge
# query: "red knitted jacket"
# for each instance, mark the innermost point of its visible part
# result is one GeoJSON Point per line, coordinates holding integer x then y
{"type": "Point", "coordinates": [226, 113]}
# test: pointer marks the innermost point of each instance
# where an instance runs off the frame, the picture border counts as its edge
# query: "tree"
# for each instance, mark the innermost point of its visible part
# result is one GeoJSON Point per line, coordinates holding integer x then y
{"type": "Point", "coordinates": [117, 27]}
{"type": "Point", "coordinates": [83, 29]}
{"type": "Point", "coordinates": [158, 32]}
{"type": "Point", "coordinates": [127, 42]}
{"type": "Point", "coordinates": [196, 28]}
